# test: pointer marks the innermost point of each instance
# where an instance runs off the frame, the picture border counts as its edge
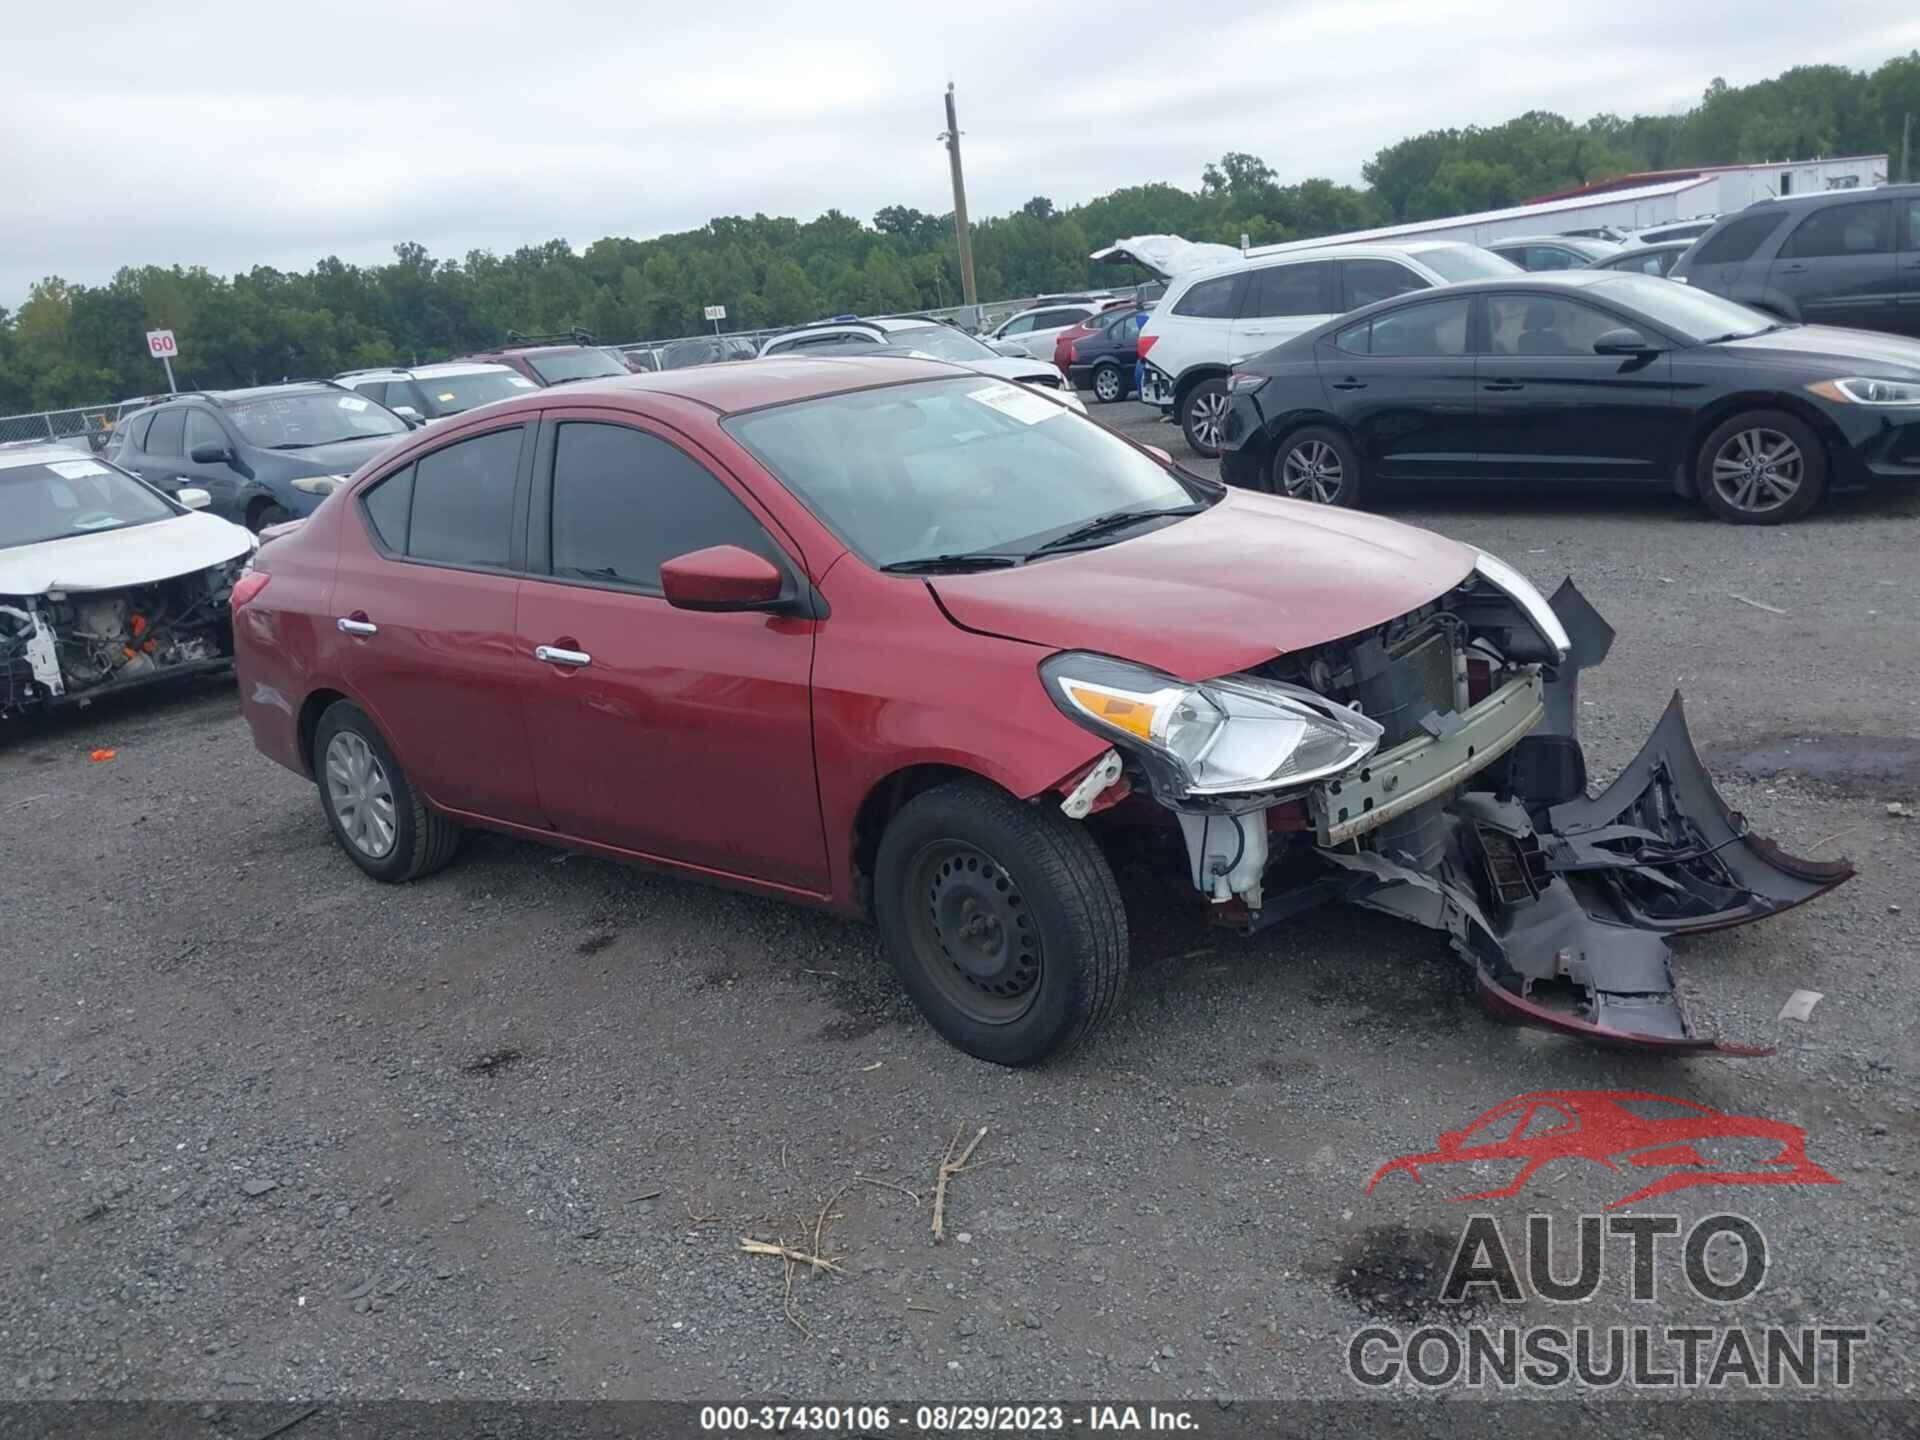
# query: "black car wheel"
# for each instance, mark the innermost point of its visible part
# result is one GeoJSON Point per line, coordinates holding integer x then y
{"type": "Point", "coordinates": [1317, 464]}
{"type": "Point", "coordinates": [1108, 386]}
{"type": "Point", "coordinates": [375, 814]}
{"type": "Point", "coordinates": [1202, 414]}
{"type": "Point", "coordinates": [1002, 920]}
{"type": "Point", "coordinates": [1762, 468]}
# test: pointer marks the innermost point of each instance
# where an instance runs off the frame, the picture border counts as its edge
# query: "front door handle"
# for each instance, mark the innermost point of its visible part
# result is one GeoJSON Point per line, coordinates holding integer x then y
{"type": "Point", "coordinates": [1503, 385]}
{"type": "Point", "coordinates": [1793, 269]}
{"type": "Point", "coordinates": [349, 625]}
{"type": "Point", "coordinates": [554, 655]}
{"type": "Point", "coordinates": [1349, 384]}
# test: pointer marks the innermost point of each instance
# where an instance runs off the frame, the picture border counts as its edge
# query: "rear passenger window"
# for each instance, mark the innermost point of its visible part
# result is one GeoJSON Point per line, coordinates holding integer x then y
{"type": "Point", "coordinates": [1209, 299]}
{"type": "Point", "coordinates": [168, 427]}
{"type": "Point", "coordinates": [1364, 281]}
{"type": "Point", "coordinates": [1862, 229]}
{"type": "Point", "coordinates": [1290, 290]}
{"type": "Point", "coordinates": [137, 436]}
{"type": "Point", "coordinates": [1737, 241]}
{"type": "Point", "coordinates": [462, 502]}
{"type": "Point", "coordinates": [623, 501]}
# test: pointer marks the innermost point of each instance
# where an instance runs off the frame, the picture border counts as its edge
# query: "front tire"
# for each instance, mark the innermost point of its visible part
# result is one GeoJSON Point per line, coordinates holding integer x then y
{"type": "Point", "coordinates": [1202, 414]}
{"type": "Point", "coordinates": [261, 516]}
{"type": "Point", "coordinates": [1108, 384]}
{"type": "Point", "coordinates": [1002, 920]}
{"type": "Point", "coordinates": [1763, 467]}
{"type": "Point", "coordinates": [375, 814]}
{"type": "Point", "coordinates": [1320, 465]}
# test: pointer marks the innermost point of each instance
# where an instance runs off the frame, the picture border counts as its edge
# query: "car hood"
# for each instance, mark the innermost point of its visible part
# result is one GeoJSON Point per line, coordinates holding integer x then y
{"type": "Point", "coordinates": [117, 559]}
{"type": "Point", "coordinates": [342, 457]}
{"type": "Point", "coordinates": [1228, 589]}
{"type": "Point", "coordinates": [1866, 351]}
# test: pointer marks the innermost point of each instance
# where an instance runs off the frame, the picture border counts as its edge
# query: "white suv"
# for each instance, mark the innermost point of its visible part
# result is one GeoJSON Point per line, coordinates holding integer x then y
{"type": "Point", "coordinates": [1210, 320]}
{"type": "Point", "coordinates": [427, 393]}
{"type": "Point", "coordinates": [1033, 331]}
{"type": "Point", "coordinates": [910, 335]}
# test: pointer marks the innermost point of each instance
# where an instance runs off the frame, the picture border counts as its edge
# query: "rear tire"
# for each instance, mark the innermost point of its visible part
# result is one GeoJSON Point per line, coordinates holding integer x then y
{"type": "Point", "coordinates": [375, 814]}
{"type": "Point", "coordinates": [1109, 385]}
{"type": "Point", "coordinates": [1320, 465]}
{"type": "Point", "coordinates": [1762, 467]}
{"type": "Point", "coordinates": [1202, 412]}
{"type": "Point", "coordinates": [1002, 920]}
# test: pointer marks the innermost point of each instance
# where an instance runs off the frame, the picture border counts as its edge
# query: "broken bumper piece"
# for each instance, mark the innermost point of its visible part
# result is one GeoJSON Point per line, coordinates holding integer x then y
{"type": "Point", "coordinates": [1565, 921]}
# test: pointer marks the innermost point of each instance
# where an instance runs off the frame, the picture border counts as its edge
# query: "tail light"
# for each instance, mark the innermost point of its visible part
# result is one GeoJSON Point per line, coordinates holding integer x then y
{"type": "Point", "coordinates": [1147, 342]}
{"type": "Point", "coordinates": [1073, 351]}
{"type": "Point", "coordinates": [248, 586]}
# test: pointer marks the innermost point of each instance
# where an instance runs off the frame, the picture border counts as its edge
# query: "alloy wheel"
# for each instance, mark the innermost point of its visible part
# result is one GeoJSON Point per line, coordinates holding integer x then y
{"type": "Point", "coordinates": [362, 795]}
{"type": "Point", "coordinates": [975, 932]}
{"type": "Point", "coordinates": [1106, 385]}
{"type": "Point", "coordinates": [1312, 471]}
{"type": "Point", "coordinates": [1209, 410]}
{"type": "Point", "coordinates": [1758, 471]}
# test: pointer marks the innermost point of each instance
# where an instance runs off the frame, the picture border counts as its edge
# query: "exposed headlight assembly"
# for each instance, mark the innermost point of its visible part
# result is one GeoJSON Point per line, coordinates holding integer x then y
{"type": "Point", "coordinates": [1861, 390]}
{"type": "Point", "coordinates": [1517, 588]}
{"type": "Point", "coordinates": [318, 484]}
{"type": "Point", "coordinates": [1232, 736]}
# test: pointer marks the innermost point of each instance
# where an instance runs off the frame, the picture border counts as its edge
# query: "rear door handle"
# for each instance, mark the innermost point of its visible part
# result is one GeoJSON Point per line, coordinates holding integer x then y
{"type": "Point", "coordinates": [351, 626]}
{"type": "Point", "coordinates": [1348, 384]}
{"type": "Point", "coordinates": [1793, 269]}
{"type": "Point", "coordinates": [1503, 385]}
{"type": "Point", "coordinates": [554, 655]}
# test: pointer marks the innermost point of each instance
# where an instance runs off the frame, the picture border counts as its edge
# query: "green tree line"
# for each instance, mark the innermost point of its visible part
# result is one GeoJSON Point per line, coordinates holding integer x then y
{"type": "Point", "coordinates": [75, 344]}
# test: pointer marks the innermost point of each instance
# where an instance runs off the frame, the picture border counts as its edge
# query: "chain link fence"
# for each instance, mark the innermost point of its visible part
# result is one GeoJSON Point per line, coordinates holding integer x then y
{"type": "Point", "coordinates": [84, 424]}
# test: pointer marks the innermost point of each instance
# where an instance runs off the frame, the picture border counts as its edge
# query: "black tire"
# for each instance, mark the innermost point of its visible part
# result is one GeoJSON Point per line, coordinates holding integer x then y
{"type": "Point", "coordinates": [423, 840]}
{"type": "Point", "coordinates": [1109, 385]}
{"type": "Point", "coordinates": [261, 516]}
{"type": "Point", "coordinates": [1318, 464]}
{"type": "Point", "coordinates": [1746, 462]}
{"type": "Point", "coordinates": [1048, 949]}
{"type": "Point", "coordinates": [1202, 410]}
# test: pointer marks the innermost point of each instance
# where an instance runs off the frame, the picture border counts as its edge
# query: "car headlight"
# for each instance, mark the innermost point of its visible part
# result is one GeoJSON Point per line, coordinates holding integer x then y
{"type": "Point", "coordinates": [318, 484]}
{"type": "Point", "coordinates": [1234, 735]}
{"type": "Point", "coordinates": [1243, 383]}
{"type": "Point", "coordinates": [1517, 588]}
{"type": "Point", "coordinates": [1863, 390]}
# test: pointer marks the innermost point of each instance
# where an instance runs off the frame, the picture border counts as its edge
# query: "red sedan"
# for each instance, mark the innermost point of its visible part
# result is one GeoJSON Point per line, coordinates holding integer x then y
{"type": "Point", "coordinates": [907, 641]}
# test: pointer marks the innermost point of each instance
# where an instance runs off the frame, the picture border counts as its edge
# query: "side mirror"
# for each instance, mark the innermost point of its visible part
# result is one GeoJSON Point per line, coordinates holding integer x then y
{"type": "Point", "coordinates": [410, 415]}
{"type": "Point", "coordinates": [193, 497]}
{"type": "Point", "coordinates": [1165, 457]}
{"type": "Point", "coordinates": [1625, 340]}
{"type": "Point", "coordinates": [210, 454]}
{"type": "Point", "coordinates": [721, 577]}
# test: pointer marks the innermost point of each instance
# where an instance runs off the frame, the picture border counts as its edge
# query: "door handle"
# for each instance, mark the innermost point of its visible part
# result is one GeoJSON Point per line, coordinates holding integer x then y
{"type": "Point", "coordinates": [554, 655]}
{"type": "Point", "coordinates": [1348, 384]}
{"type": "Point", "coordinates": [351, 626]}
{"type": "Point", "coordinates": [1503, 385]}
{"type": "Point", "coordinates": [1793, 269]}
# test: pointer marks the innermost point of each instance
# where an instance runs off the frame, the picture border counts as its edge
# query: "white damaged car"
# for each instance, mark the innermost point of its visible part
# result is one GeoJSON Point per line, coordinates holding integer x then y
{"type": "Point", "coordinates": [105, 583]}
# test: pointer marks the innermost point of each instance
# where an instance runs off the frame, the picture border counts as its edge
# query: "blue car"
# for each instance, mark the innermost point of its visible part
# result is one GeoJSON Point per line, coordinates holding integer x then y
{"type": "Point", "coordinates": [1107, 362]}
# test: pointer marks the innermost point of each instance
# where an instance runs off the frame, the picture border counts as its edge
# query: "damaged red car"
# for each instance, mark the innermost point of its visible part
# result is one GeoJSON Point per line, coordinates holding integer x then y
{"type": "Point", "coordinates": [916, 644]}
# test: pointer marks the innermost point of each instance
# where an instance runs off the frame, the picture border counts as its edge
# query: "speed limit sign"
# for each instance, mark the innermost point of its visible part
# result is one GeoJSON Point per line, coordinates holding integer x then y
{"type": "Point", "coordinates": [160, 344]}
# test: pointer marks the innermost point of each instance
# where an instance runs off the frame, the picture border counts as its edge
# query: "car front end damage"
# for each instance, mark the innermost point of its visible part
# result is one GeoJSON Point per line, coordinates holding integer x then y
{"type": "Point", "coordinates": [74, 646]}
{"type": "Point", "coordinates": [1430, 768]}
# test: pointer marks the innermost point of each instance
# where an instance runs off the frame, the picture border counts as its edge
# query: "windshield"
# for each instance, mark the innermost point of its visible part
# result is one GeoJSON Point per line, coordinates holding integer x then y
{"type": "Point", "coordinates": [451, 394]}
{"type": "Point", "coordinates": [558, 366]}
{"type": "Point", "coordinates": [946, 467]}
{"type": "Point", "coordinates": [302, 419]}
{"type": "Point", "coordinates": [1454, 263]}
{"type": "Point", "coordinates": [942, 342]}
{"type": "Point", "coordinates": [1693, 315]}
{"type": "Point", "coordinates": [689, 353]}
{"type": "Point", "coordinates": [72, 497]}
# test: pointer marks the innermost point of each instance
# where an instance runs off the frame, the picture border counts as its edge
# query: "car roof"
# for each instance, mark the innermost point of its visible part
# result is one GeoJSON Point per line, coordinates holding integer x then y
{"type": "Point", "coordinates": [1814, 199]}
{"type": "Point", "coordinates": [18, 455]}
{"type": "Point", "coordinates": [1372, 250]}
{"type": "Point", "coordinates": [730, 389]}
{"type": "Point", "coordinates": [255, 392]}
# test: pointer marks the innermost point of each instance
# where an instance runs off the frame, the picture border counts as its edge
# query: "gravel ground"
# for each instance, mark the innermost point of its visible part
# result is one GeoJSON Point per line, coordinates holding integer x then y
{"type": "Point", "coordinates": [278, 1131]}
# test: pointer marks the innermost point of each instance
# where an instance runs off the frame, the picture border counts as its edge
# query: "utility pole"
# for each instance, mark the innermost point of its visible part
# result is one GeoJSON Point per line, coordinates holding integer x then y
{"type": "Point", "coordinates": [961, 232]}
{"type": "Point", "coordinates": [1906, 149]}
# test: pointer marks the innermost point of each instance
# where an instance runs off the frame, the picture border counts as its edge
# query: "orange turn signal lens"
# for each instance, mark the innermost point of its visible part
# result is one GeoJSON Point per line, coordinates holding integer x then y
{"type": "Point", "coordinates": [1118, 708]}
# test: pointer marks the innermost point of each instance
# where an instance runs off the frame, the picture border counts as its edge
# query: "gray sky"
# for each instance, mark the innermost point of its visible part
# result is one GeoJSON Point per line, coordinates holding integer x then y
{"type": "Point", "coordinates": [236, 134]}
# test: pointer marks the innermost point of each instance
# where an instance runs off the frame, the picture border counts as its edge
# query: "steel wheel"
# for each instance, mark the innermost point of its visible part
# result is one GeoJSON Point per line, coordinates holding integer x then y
{"type": "Point", "coordinates": [1312, 470]}
{"type": "Point", "coordinates": [1209, 412]}
{"type": "Point", "coordinates": [362, 795]}
{"type": "Point", "coordinates": [1106, 384]}
{"type": "Point", "coordinates": [976, 932]}
{"type": "Point", "coordinates": [1758, 471]}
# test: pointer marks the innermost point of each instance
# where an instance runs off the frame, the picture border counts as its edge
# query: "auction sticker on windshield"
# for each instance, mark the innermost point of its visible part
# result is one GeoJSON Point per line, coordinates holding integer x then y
{"type": "Point", "coordinates": [520, 382]}
{"type": "Point", "coordinates": [76, 469]}
{"type": "Point", "coordinates": [1015, 403]}
{"type": "Point", "coordinates": [352, 403]}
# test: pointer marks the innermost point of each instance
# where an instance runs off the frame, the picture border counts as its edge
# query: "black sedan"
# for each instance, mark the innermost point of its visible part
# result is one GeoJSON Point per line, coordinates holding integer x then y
{"type": "Point", "coordinates": [1586, 375]}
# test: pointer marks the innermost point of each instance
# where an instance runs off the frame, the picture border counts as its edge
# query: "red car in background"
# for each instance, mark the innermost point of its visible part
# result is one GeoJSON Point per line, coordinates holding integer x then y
{"type": "Point", "coordinates": [908, 641]}
{"type": "Point", "coordinates": [557, 359]}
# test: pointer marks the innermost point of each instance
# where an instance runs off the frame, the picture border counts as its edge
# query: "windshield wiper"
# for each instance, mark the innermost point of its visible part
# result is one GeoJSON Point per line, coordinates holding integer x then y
{"type": "Point", "coordinates": [300, 445]}
{"type": "Point", "coordinates": [930, 564]}
{"type": "Point", "coordinates": [1746, 334]}
{"type": "Point", "coordinates": [1106, 524]}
